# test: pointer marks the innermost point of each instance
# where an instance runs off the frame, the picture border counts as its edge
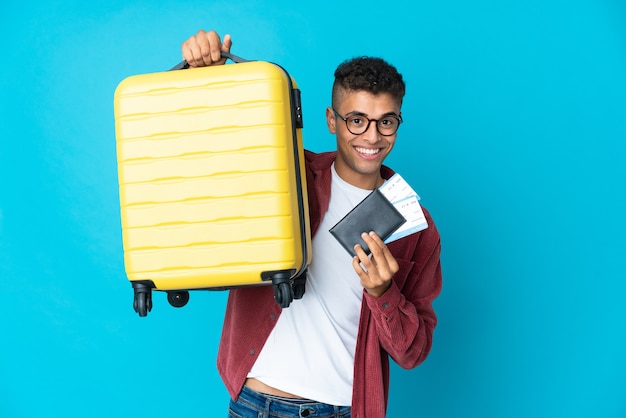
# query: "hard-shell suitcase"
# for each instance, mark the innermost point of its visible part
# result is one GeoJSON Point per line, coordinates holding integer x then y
{"type": "Point", "coordinates": [212, 181]}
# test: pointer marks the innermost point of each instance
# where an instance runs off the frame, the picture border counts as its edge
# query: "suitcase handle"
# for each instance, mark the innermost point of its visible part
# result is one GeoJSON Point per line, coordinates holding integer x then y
{"type": "Point", "coordinates": [234, 58]}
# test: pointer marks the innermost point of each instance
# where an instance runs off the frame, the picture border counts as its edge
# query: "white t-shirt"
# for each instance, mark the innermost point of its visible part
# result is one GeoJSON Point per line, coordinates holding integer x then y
{"type": "Point", "coordinates": [310, 352]}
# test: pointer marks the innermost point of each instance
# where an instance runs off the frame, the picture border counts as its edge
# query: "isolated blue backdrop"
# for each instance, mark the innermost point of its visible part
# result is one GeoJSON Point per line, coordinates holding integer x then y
{"type": "Point", "coordinates": [514, 138]}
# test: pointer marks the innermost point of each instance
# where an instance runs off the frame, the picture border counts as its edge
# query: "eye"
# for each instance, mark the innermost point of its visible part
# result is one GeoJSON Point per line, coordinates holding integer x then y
{"type": "Point", "coordinates": [388, 122]}
{"type": "Point", "coordinates": [356, 120]}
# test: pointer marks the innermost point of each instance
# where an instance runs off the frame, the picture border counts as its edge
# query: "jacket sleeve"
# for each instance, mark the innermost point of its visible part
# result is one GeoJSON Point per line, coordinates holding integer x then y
{"type": "Point", "coordinates": [404, 315]}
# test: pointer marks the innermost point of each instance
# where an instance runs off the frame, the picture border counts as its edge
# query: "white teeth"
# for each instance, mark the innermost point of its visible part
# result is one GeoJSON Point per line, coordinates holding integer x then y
{"type": "Point", "coordinates": [367, 151]}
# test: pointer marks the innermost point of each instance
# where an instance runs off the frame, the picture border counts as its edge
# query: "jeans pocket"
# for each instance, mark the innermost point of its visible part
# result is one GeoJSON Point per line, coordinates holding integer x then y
{"type": "Point", "coordinates": [233, 414]}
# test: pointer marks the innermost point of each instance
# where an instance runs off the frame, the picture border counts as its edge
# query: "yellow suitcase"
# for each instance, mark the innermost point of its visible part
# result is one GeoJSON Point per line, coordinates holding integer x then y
{"type": "Point", "coordinates": [212, 181]}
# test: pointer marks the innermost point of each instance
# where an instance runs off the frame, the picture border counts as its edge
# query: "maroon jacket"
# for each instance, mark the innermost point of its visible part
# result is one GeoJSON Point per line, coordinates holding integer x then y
{"type": "Point", "coordinates": [399, 324]}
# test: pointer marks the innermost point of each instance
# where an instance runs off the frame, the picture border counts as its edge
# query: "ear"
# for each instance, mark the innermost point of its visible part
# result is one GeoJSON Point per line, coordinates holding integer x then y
{"type": "Point", "coordinates": [331, 120]}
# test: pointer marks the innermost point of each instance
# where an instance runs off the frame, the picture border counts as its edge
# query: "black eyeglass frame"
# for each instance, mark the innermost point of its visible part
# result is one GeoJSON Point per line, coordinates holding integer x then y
{"type": "Point", "coordinates": [398, 118]}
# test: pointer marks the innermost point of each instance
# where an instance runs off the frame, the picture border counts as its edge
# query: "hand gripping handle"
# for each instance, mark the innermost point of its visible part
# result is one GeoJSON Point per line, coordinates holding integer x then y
{"type": "Point", "coordinates": [234, 58]}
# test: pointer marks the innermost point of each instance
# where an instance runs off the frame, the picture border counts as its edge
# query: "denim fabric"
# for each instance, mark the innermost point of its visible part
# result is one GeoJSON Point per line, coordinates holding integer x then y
{"type": "Point", "coordinates": [252, 404]}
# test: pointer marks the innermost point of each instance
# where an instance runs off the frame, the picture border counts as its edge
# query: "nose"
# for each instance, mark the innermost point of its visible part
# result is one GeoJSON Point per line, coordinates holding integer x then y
{"type": "Point", "coordinates": [371, 134]}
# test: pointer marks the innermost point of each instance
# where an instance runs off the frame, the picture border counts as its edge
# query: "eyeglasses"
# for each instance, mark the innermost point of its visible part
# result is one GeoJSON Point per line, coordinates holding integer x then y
{"type": "Point", "coordinates": [359, 124]}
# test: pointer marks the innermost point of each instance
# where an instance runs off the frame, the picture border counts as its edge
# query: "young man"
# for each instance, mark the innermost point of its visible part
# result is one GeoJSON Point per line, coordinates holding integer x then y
{"type": "Point", "coordinates": [327, 354]}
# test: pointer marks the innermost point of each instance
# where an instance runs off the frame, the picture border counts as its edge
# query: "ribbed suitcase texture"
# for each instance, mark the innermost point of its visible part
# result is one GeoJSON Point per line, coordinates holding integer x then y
{"type": "Point", "coordinates": [211, 177]}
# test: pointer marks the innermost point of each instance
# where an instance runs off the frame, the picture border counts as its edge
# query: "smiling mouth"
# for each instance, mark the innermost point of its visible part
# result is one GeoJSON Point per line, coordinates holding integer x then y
{"type": "Point", "coordinates": [367, 151]}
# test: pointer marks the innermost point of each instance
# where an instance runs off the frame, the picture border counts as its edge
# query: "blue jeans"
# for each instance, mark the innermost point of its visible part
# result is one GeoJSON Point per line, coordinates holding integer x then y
{"type": "Point", "coordinates": [252, 404]}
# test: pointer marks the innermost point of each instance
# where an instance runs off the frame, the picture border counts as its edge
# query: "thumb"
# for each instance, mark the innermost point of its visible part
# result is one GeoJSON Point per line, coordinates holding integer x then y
{"type": "Point", "coordinates": [227, 43]}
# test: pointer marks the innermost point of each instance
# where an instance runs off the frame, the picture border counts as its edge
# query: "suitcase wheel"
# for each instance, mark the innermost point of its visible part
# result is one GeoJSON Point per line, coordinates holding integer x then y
{"type": "Point", "coordinates": [298, 291]}
{"type": "Point", "coordinates": [283, 293]}
{"type": "Point", "coordinates": [299, 285]}
{"type": "Point", "coordinates": [178, 299]}
{"type": "Point", "coordinates": [143, 302]}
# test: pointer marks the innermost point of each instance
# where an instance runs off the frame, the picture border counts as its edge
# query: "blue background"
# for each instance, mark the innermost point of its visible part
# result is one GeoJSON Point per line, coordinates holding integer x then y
{"type": "Point", "coordinates": [514, 137]}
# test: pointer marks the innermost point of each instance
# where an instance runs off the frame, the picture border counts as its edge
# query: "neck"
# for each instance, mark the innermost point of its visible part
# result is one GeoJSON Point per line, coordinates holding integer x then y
{"type": "Point", "coordinates": [362, 181]}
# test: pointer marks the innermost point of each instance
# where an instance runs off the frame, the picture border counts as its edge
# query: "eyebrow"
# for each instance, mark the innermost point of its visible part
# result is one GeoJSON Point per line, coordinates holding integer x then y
{"type": "Point", "coordinates": [357, 113]}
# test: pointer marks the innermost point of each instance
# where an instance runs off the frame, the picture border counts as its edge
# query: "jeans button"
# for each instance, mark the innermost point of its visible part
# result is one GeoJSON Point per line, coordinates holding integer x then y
{"type": "Point", "coordinates": [305, 413]}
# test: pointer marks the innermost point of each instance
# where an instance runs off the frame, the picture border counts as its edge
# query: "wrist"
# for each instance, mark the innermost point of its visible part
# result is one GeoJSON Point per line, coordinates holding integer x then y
{"type": "Point", "coordinates": [378, 291]}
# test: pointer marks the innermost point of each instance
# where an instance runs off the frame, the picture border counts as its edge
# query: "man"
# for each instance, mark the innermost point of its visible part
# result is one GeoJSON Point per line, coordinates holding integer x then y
{"type": "Point", "coordinates": [327, 354]}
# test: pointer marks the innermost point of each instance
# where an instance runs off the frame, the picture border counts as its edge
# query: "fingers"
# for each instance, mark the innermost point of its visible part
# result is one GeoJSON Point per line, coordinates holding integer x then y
{"type": "Point", "coordinates": [376, 271]}
{"type": "Point", "coordinates": [227, 43]}
{"type": "Point", "coordinates": [205, 48]}
{"type": "Point", "coordinates": [381, 255]}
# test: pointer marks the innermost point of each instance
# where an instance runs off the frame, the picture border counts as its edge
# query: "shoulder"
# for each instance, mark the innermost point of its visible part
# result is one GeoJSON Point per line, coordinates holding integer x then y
{"type": "Point", "coordinates": [318, 163]}
{"type": "Point", "coordinates": [321, 160]}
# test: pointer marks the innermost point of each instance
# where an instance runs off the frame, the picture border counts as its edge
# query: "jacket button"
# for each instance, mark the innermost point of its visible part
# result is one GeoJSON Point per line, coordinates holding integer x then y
{"type": "Point", "coordinates": [385, 305]}
{"type": "Point", "coordinates": [252, 351]}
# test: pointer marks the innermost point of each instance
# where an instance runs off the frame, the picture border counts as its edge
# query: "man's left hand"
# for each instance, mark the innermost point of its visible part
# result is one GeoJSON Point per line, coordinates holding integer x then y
{"type": "Point", "coordinates": [375, 271]}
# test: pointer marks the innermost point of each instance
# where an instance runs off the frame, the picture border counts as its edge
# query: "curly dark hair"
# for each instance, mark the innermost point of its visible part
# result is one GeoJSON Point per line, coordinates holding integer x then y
{"type": "Point", "coordinates": [370, 74]}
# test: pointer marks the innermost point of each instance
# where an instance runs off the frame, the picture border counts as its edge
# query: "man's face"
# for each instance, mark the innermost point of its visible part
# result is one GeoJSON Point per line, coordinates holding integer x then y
{"type": "Point", "coordinates": [359, 157]}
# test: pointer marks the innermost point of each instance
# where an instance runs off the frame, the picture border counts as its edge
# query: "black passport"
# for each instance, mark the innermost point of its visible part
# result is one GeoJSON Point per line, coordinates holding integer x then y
{"type": "Point", "coordinates": [374, 213]}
